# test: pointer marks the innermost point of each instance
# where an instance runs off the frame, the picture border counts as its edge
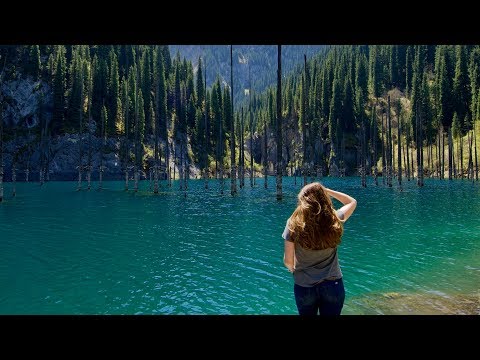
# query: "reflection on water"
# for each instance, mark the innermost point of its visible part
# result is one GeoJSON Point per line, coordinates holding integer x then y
{"type": "Point", "coordinates": [414, 251]}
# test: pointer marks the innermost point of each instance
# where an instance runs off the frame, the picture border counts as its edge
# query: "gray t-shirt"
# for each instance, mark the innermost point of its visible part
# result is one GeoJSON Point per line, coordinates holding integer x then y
{"type": "Point", "coordinates": [314, 266]}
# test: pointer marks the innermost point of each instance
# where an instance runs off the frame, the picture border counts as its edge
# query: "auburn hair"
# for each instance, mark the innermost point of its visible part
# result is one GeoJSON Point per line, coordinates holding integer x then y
{"type": "Point", "coordinates": [314, 224]}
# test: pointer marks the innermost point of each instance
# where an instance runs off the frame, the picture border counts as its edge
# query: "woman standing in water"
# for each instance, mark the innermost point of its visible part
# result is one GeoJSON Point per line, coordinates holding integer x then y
{"type": "Point", "coordinates": [312, 235]}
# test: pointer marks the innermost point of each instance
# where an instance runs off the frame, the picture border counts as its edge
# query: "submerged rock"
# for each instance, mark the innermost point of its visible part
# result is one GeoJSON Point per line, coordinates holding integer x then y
{"type": "Point", "coordinates": [393, 303]}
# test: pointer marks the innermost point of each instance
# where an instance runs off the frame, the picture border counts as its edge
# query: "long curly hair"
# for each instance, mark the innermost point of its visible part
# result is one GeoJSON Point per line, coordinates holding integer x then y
{"type": "Point", "coordinates": [314, 224]}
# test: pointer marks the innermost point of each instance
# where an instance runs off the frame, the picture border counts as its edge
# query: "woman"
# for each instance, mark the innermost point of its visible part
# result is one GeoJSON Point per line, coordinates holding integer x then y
{"type": "Point", "coordinates": [312, 235]}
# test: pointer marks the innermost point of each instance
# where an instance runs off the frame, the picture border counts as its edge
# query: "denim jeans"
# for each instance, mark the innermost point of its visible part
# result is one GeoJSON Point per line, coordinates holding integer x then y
{"type": "Point", "coordinates": [326, 297]}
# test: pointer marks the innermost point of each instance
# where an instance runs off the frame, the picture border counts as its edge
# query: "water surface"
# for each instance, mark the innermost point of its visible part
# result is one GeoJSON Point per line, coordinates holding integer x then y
{"type": "Point", "coordinates": [115, 252]}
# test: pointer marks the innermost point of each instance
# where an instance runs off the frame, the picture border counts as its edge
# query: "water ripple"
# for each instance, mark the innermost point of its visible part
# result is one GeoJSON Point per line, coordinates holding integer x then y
{"type": "Point", "coordinates": [117, 252]}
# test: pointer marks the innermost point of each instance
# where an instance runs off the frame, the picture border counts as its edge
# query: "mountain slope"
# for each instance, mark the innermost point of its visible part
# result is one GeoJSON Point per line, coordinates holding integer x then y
{"type": "Point", "coordinates": [261, 59]}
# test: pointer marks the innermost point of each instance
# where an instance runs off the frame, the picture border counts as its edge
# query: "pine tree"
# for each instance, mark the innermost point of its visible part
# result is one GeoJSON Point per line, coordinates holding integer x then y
{"type": "Point", "coordinates": [200, 86]}
{"type": "Point", "coordinates": [279, 124]}
{"type": "Point", "coordinates": [34, 60]}
{"type": "Point", "coordinates": [113, 95]}
{"type": "Point", "coordinates": [59, 91]}
{"type": "Point", "coordinates": [461, 86]}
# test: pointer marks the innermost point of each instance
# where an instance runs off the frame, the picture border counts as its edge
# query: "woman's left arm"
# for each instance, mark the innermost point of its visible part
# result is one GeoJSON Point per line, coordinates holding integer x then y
{"type": "Point", "coordinates": [289, 255]}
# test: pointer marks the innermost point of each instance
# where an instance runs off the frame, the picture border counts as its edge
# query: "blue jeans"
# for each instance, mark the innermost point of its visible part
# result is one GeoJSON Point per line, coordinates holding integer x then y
{"type": "Point", "coordinates": [326, 297]}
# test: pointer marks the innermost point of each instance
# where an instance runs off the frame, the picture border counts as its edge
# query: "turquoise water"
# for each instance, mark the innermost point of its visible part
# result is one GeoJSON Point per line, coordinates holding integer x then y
{"type": "Point", "coordinates": [117, 252]}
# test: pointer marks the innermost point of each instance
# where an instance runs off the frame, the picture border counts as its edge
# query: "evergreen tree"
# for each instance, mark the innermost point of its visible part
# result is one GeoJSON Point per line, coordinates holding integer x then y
{"type": "Point", "coordinates": [34, 61]}
{"type": "Point", "coordinates": [200, 86]}
{"type": "Point", "coordinates": [59, 91]}
{"type": "Point", "coordinates": [461, 87]}
{"type": "Point", "coordinates": [113, 95]}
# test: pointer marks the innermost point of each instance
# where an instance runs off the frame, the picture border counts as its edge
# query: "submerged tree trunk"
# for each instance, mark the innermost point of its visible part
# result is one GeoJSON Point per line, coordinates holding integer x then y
{"type": "Point", "coordinates": [156, 166]}
{"type": "Point", "coordinates": [475, 142]}
{"type": "Point", "coordinates": [383, 153]}
{"type": "Point", "coordinates": [374, 144]}
{"type": "Point", "coordinates": [220, 158]}
{"type": "Point", "coordinates": [279, 124]}
{"type": "Point", "coordinates": [419, 149]}
{"type": "Point", "coordinates": [265, 152]}
{"type": "Point", "coordinates": [251, 127]}
{"type": "Point", "coordinates": [1, 149]}
{"type": "Point", "coordinates": [389, 146]}
{"type": "Point", "coordinates": [80, 157]}
{"type": "Point", "coordinates": [206, 174]}
{"type": "Point", "coordinates": [399, 141]}
{"type": "Point", "coordinates": [126, 143]}
{"type": "Point", "coordinates": [304, 125]}
{"type": "Point", "coordinates": [461, 156]}
{"type": "Point", "coordinates": [103, 137]}
{"type": "Point", "coordinates": [168, 168]}
{"type": "Point", "coordinates": [233, 180]}
{"type": "Point", "coordinates": [470, 158]}
{"type": "Point", "coordinates": [407, 146]}
{"type": "Point", "coordinates": [364, 156]}
{"type": "Point", "coordinates": [450, 152]}
{"type": "Point", "coordinates": [137, 134]}
{"type": "Point", "coordinates": [1, 132]}
{"type": "Point", "coordinates": [1, 145]}
{"type": "Point", "coordinates": [240, 150]}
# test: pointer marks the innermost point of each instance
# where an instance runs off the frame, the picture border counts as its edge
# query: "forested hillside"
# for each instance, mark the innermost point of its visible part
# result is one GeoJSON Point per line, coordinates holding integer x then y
{"type": "Point", "coordinates": [135, 107]}
{"type": "Point", "coordinates": [253, 64]}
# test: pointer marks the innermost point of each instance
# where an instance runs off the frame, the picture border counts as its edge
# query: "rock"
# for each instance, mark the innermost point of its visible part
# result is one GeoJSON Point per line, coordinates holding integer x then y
{"type": "Point", "coordinates": [21, 99]}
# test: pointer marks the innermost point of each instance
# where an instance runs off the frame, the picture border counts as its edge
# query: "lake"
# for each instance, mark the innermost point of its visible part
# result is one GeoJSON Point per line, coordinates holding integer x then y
{"type": "Point", "coordinates": [410, 251]}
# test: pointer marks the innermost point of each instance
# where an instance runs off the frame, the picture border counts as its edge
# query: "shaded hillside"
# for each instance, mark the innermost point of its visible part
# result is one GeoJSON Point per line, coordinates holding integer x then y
{"type": "Point", "coordinates": [261, 59]}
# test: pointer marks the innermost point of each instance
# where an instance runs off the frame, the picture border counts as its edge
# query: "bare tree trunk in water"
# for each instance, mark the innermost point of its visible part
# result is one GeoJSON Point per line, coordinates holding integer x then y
{"type": "Point", "coordinates": [240, 162]}
{"type": "Point", "coordinates": [389, 146]}
{"type": "Point", "coordinates": [364, 156]}
{"type": "Point", "coordinates": [242, 152]}
{"type": "Point", "coordinates": [14, 180]}
{"type": "Point", "coordinates": [156, 166]}
{"type": "Point", "coordinates": [442, 150]}
{"type": "Point", "coordinates": [399, 140]}
{"type": "Point", "coordinates": [1, 146]}
{"type": "Point", "coordinates": [407, 146]}
{"type": "Point", "coordinates": [304, 127]}
{"type": "Point", "coordinates": [137, 134]}
{"type": "Point", "coordinates": [450, 151]}
{"type": "Point", "coordinates": [461, 156]}
{"type": "Point", "coordinates": [437, 152]}
{"type": "Point", "coordinates": [1, 132]}
{"type": "Point", "coordinates": [168, 168]}
{"type": "Point", "coordinates": [279, 124]}
{"type": "Point", "coordinates": [374, 144]}
{"type": "Point", "coordinates": [265, 151]}
{"type": "Point", "coordinates": [475, 142]}
{"type": "Point", "coordinates": [233, 169]}
{"type": "Point", "coordinates": [251, 127]}
{"type": "Point", "coordinates": [174, 163]}
{"type": "Point", "coordinates": [103, 137]}
{"type": "Point", "coordinates": [421, 149]}
{"type": "Point", "coordinates": [430, 155]}
{"type": "Point", "coordinates": [185, 163]}
{"type": "Point", "coordinates": [411, 159]}
{"type": "Point", "coordinates": [180, 168]}
{"type": "Point", "coordinates": [80, 157]}
{"type": "Point", "coordinates": [206, 174]}
{"type": "Point", "coordinates": [383, 154]}
{"type": "Point", "coordinates": [127, 145]}
{"type": "Point", "coordinates": [220, 158]}
{"type": "Point", "coordinates": [470, 158]}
